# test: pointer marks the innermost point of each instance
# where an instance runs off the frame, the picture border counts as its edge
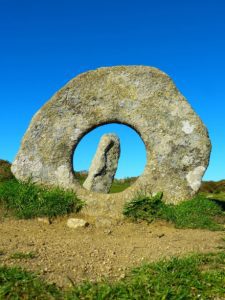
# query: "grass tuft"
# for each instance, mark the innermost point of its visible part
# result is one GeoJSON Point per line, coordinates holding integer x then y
{"type": "Point", "coordinates": [196, 213]}
{"type": "Point", "coordinates": [22, 255]}
{"type": "Point", "coordinates": [143, 207]}
{"type": "Point", "coordinates": [28, 200]}
{"type": "Point", "coordinates": [18, 284]}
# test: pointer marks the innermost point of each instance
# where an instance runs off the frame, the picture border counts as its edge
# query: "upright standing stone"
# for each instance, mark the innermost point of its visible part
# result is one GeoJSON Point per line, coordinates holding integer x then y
{"type": "Point", "coordinates": [104, 164]}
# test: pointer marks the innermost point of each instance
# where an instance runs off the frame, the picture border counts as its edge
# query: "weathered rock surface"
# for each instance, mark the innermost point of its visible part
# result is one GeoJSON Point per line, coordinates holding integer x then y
{"type": "Point", "coordinates": [76, 223]}
{"type": "Point", "coordinates": [104, 164]}
{"type": "Point", "coordinates": [45, 220]}
{"type": "Point", "coordinates": [144, 98]}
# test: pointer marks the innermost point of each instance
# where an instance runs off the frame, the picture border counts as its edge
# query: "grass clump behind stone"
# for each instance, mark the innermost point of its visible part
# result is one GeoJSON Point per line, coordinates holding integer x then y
{"type": "Point", "coordinates": [195, 213]}
{"type": "Point", "coordinates": [144, 207]}
{"type": "Point", "coordinates": [28, 200]}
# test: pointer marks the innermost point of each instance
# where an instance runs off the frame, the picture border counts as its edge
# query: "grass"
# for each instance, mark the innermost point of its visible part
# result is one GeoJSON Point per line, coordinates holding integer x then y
{"type": "Point", "coordinates": [193, 277]}
{"type": "Point", "coordinates": [143, 207]}
{"type": "Point", "coordinates": [196, 213]}
{"type": "Point", "coordinates": [189, 278]}
{"type": "Point", "coordinates": [22, 255]}
{"type": "Point", "coordinates": [28, 200]}
{"type": "Point", "coordinates": [220, 196]}
{"type": "Point", "coordinates": [118, 187]}
{"type": "Point", "coordinates": [199, 212]}
{"type": "Point", "coordinates": [18, 284]}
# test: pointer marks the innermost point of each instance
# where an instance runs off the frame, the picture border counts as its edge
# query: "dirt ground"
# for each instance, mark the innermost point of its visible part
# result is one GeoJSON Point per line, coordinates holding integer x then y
{"type": "Point", "coordinates": [103, 249]}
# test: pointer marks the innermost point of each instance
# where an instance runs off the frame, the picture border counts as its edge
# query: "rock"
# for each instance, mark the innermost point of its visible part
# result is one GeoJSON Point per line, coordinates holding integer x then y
{"type": "Point", "coordinates": [161, 235]}
{"type": "Point", "coordinates": [107, 231]}
{"type": "Point", "coordinates": [104, 164]}
{"type": "Point", "coordinates": [45, 220]}
{"type": "Point", "coordinates": [76, 223]}
{"type": "Point", "coordinates": [144, 98]}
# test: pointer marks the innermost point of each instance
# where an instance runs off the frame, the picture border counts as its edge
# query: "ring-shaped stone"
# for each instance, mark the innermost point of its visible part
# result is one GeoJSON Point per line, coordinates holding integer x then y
{"type": "Point", "coordinates": [144, 98]}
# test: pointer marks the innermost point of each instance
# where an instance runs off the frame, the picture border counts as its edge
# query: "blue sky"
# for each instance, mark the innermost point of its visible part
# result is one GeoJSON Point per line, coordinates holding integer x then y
{"type": "Point", "coordinates": [45, 43]}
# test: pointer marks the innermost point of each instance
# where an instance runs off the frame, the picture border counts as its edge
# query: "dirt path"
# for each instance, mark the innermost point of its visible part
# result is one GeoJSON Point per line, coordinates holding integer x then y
{"type": "Point", "coordinates": [64, 255]}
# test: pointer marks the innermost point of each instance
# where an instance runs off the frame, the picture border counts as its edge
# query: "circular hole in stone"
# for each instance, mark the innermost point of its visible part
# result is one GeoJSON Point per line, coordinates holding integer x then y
{"type": "Point", "coordinates": [132, 159]}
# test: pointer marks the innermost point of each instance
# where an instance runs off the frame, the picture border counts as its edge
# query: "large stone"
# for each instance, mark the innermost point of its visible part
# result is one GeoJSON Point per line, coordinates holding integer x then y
{"type": "Point", "coordinates": [104, 164]}
{"type": "Point", "coordinates": [144, 98]}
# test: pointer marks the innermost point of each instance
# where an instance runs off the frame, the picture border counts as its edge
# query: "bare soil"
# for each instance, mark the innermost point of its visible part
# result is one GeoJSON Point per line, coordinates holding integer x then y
{"type": "Point", "coordinates": [103, 249]}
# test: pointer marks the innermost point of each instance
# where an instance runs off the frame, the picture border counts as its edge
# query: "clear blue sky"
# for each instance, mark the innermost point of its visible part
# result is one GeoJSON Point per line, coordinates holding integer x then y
{"type": "Point", "coordinates": [45, 43]}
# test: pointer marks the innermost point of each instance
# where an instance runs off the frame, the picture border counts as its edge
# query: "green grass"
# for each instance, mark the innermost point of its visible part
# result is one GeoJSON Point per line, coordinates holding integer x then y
{"type": "Point", "coordinates": [189, 278]}
{"type": "Point", "coordinates": [193, 277]}
{"type": "Point", "coordinates": [23, 255]}
{"type": "Point", "coordinates": [118, 187]}
{"type": "Point", "coordinates": [17, 284]}
{"type": "Point", "coordinates": [28, 200]}
{"type": "Point", "coordinates": [143, 207]}
{"type": "Point", "coordinates": [199, 212]}
{"type": "Point", "coordinates": [196, 213]}
{"type": "Point", "coordinates": [220, 196]}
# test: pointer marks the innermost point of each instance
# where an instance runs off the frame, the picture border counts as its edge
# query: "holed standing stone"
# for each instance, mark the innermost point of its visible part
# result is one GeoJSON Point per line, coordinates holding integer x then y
{"type": "Point", "coordinates": [144, 98]}
{"type": "Point", "coordinates": [104, 164]}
